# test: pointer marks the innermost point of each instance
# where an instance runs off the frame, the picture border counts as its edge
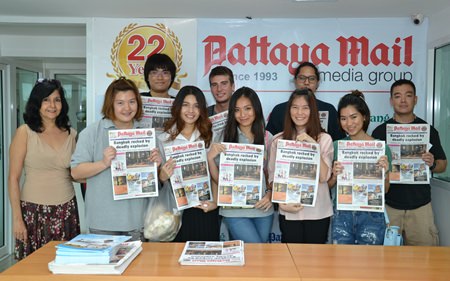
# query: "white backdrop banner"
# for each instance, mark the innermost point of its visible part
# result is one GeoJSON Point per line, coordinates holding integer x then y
{"type": "Point", "coordinates": [363, 54]}
{"type": "Point", "coordinates": [119, 47]}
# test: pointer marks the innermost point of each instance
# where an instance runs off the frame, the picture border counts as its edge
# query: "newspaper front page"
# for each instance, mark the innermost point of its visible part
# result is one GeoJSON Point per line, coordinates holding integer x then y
{"type": "Point", "coordinates": [133, 174]}
{"type": "Point", "coordinates": [219, 121]}
{"type": "Point", "coordinates": [213, 253]}
{"type": "Point", "coordinates": [156, 112]}
{"type": "Point", "coordinates": [407, 143]}
{"type": "Point", "coordinates": [296, 177]}
{"type": "Point", "coordinates": [241, 175]}
{"type": "Point", "coordinates": [360, 187]}
{"type": "Point", "coordinates": [190, 178]}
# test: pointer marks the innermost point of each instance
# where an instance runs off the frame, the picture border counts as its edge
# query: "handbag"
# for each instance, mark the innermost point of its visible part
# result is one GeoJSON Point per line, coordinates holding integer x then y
{"type": "Point", "coordinates": [392, 237]}
{"type": "Point", "coordinates": [162, 219]}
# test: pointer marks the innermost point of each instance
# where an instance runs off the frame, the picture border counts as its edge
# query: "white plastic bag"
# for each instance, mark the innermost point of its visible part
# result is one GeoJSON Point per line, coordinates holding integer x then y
{"type": "Point", "coordinates": [162, 220]}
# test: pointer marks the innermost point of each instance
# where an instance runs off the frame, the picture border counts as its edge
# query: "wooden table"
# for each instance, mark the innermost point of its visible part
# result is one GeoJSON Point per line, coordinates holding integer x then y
{"type": "Point", "coordinates": [159, 261]}
{"type": "Point", "coordinates": [356, 262]}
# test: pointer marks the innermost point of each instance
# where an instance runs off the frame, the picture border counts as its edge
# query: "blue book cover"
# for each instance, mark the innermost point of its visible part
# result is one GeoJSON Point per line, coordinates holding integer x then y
{"type": "Point", "coordinates": [91, 244]}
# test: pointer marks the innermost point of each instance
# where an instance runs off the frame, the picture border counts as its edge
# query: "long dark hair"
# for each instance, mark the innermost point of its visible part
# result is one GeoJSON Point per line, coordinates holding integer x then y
{"type": "Point", "coordinates": [41, 90]}
{"type": "Point", "coordinates": [231, 129]}
{"type": "Point", "coordinates": [313, 127]}
{"type": "Point", "coordinates": [203, 124]}
{"type": "Point", "coordinates": [355, 99]}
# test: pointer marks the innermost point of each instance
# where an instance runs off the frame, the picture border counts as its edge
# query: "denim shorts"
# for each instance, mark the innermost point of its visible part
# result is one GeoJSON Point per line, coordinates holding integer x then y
{"type": "Point", "coordinates": [358, 227]}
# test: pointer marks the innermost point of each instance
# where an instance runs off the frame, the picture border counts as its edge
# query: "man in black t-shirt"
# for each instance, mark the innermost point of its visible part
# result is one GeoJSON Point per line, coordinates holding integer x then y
{"type": "Point", "coordinates": [306, 76]}
{"type": "Point", "coordinates": [409, 205]}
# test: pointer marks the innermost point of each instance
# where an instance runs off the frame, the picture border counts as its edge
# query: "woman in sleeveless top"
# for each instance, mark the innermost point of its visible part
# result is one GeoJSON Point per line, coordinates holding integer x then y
{"type": "Point", "coordinates": [45, 209]}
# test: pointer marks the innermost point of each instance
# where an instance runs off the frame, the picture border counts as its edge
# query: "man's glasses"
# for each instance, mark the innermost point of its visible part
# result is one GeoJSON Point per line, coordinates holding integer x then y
{"type": "Point", "coordinates": [163, 73]}
{"type": "Point", "coordinates": [303, 78]}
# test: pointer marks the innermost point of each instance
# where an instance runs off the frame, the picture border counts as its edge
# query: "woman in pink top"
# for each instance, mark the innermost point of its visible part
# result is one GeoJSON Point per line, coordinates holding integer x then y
{"type": "Point", "coordinates": [304, 224]}
{"type": "Point", "coordinates": [45, 208]}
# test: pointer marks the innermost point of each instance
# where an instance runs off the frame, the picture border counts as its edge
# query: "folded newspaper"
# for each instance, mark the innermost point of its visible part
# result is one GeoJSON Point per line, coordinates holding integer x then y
{"type": "Point", "coordinates": [213, 253]}
{"type": "Point", "coordinates": [122, 258]}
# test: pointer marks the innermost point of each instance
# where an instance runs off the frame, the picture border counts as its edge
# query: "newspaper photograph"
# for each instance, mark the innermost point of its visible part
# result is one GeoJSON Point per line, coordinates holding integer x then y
{"type": "Point", "coordinates": [190, 178]}
{"type": "Point", "coordinates": [156, 112]}
{"type": "Point", "coordinates": [297, 168]}
{"type": "Point", "coordinates": [213, 253]}
{"type": "Point", "coordinates": [240, 175]}
{"type": "Point", "coordinates": [219, 121]}
{"type": "Point", "coordinates": [133, 174]}
{"type": "Point", "coordinates": [407, 143]}
{"type": "Point", "coordinates": [360, 187]}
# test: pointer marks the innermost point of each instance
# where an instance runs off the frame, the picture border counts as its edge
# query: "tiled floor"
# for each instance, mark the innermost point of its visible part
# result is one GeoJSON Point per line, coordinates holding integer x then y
{"type": "Point", "coordinates": [7, 262]}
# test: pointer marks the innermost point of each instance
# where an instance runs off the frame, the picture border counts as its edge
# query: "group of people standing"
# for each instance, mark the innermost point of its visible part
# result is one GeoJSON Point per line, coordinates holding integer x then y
{"type": "Point", "coordinates": [45, 148]}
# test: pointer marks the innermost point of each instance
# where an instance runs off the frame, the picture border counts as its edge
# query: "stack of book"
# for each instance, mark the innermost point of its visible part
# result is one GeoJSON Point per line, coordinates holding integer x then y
{"type": "Point", "coordinates": [95, 254]}
{"type": "Point", "coordinates": [213, 253]}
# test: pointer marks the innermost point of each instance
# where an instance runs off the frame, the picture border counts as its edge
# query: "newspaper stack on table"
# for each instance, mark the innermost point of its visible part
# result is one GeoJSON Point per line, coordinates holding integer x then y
{"type": "Point", "coordinates": [213, 253]}
{"type": "Point", "coordinates": [95, 254]}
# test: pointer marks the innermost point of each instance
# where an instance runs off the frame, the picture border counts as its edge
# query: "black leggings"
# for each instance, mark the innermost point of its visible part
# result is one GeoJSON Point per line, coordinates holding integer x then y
{"type": "Point", "coordinates": [304, 231]}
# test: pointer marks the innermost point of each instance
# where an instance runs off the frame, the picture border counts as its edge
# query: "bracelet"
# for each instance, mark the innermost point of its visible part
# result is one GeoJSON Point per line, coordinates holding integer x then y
{"type": "Point", "coordinates": [268, 189]}
{"type": "Point", "coordinates": [433, 166]}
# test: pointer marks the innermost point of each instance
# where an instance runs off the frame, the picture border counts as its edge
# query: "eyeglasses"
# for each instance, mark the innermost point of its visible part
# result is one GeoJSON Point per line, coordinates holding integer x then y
{"type": "Point", "coordinates": [311, 79]}
{"type": "Point", "coordinates": [163, 73]}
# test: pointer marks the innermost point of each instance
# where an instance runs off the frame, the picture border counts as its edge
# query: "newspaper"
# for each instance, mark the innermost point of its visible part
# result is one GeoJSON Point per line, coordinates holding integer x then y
{"type": "Point", "coordinates": [156, 112]}
{"type": "Point", "coordinates": [240, 175]}
{"type": "Point", "coordinates": [133, 175]}
{"type": "Point", "coordinates": [407, 143]}
{"type": "Point", "coordinates": [360, 187]}
{"type": "Point", "coordinates": [296, 176]}
{"type": "Point", "coordinates": [213, 253]}
{"type": "Point", "coordinates": [219, 121]}
{"type": "Point", "coordinates": [190, 178]}
{"type": "Point", "coordinates": [323, 116]}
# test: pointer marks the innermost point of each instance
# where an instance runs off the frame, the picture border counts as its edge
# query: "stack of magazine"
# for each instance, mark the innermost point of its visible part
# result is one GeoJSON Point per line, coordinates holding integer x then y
{"type": "Point", "coordinates": [213, 253]}
{"type": "Point", "coordinates": [95, 254]}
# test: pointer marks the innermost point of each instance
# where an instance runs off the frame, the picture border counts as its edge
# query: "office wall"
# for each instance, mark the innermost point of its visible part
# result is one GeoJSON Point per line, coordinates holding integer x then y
{"type": "Point", "coordinates": [438, 32]}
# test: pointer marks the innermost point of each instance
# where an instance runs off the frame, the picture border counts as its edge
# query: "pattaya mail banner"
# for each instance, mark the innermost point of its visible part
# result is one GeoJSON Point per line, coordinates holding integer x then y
{"type": "Point", "coordinates": [364, 54]}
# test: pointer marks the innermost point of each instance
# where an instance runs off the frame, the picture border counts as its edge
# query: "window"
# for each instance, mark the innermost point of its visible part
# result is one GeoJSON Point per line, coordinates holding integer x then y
{"type": "Point", "coordinates": [441, 104]}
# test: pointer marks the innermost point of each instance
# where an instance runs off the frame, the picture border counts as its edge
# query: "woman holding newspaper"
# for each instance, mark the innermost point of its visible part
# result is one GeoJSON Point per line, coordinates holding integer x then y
{"type": "Point", "coordinates": [298, 223]}
{"type": "Point", "coordinates": [190, 123]}
{"type": "Point", "coordinates": [122, 109]}
{"type": "Point", "coordinates": [245, 125]}
{"type": "Point", "coordinates": [357, 227]}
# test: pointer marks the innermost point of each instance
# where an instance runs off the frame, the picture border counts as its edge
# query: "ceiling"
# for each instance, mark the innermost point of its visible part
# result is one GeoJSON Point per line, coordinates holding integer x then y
{"type": "Point", "coordinates": [220, 9]}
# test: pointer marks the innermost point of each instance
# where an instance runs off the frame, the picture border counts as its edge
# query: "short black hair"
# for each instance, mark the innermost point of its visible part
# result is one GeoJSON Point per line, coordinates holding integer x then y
{"type": "Point", "coordinates": [307, 63]}
{"type": "Point", "coordinates": [161, 61]}
{"type": "Point", "coordinates": [403, 82]}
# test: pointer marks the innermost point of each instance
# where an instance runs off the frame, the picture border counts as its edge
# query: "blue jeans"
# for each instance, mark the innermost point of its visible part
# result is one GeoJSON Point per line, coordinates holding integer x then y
{"type": "Point", "coordinates": [358, 227]}
{"type": "Point", "coordinates": [249, 230]}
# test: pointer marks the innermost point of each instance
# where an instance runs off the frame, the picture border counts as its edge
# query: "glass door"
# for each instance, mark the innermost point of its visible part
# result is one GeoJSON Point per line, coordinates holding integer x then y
{"type": "Point", "coordinates": [3, 183]}
{"type": "Point", "coordinates": [441, 103]}
{"type": "Point", "coordinates": [25, 80]}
